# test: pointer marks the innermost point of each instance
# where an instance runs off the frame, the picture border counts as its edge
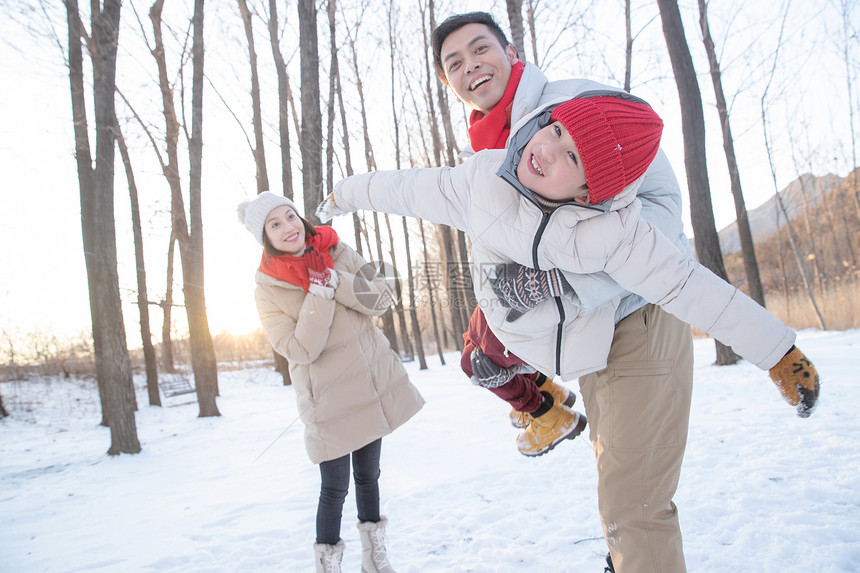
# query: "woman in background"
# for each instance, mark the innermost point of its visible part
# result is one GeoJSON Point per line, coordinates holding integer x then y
{"type": "Point", "coordinates": [316, 297]}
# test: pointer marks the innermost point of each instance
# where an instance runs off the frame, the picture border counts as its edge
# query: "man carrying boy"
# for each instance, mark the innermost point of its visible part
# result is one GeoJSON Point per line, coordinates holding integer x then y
{"type": "Point", "coordinates": [563, 196]}
{"type": "Point", "coordinates": [639, 422]}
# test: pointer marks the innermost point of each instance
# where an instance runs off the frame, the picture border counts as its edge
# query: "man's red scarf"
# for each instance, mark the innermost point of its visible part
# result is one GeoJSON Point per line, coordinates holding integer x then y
{"type": "Point", "coordinates": [292, 269]}
{"type": "Point", "coordinates": [491, 131]}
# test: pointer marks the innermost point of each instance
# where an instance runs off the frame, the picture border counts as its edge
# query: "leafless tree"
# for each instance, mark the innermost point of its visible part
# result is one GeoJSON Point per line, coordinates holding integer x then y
{"type": "Point", "coordinates": [628, 50]}
{"type": "Point", "coordinates": [428, 282]}
{"type": "Point", "coordinates": [166, 304]}
{"type": "Point", "coordinates": [530, 19]}
{"type": "Point", "coordinates": [452, 261]}
{"type": "Point", "coordinates": [392, 15]}
{"type": "Point", "coordinates": [189, 236]}
{"type": "Point", "coordinates": [353, 30]}
{"type": "Point", "coordinates": [515, 18]}
{"type": "Point", "coordinates": [256, 107]}
{"type": "Point", "coordinates": [693, 126]}
{"type": "Point", "coordinates": [744, 233]}
{"type": "Point", "coordinates": [113, 366]}
{"type": "Point", "coordinates": [780, 205]}
{"type": "Point", "coordinates": [850, 36]}
{"type": "Point", "coordinates": [284, 96]}
{"type": "Point", "coordinates": [311, 132]}
{"type": "Point", "coordinates": [149, 358]}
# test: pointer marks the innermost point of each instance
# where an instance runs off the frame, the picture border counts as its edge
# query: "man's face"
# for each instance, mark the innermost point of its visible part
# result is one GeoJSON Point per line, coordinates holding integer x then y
{"type": "Point", "coordinates": [477, 67]}
{"type": "Point", "coordinates": [552, 167]}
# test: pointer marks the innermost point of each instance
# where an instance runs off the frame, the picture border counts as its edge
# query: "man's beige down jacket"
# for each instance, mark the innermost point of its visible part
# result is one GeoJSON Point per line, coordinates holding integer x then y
{"type": "Point", "coordinates": [350, 386]}
{"type": "Point", "coordinates": [560, 336]}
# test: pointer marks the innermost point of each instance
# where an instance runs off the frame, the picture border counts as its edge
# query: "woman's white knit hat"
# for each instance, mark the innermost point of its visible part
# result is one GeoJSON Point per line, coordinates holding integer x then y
{"type": "Point", "coordinates": [253, 213]}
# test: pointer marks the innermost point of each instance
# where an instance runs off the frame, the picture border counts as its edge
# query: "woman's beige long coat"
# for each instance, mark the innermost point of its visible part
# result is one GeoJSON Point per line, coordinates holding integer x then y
{"type": "Point", "coordinates": [350, 386]}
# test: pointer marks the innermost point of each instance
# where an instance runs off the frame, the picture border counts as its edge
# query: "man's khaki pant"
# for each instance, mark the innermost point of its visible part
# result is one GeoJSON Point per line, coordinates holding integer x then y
{"type": "Point", "coordinates": [638, 412]}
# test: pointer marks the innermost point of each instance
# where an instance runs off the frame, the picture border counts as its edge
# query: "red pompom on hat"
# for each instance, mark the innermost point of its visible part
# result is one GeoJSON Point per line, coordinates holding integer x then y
{"type": "Point", "coordinates": [616, 138]}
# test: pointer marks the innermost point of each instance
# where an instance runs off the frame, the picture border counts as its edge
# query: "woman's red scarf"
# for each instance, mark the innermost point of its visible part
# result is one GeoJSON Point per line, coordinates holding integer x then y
{"type": "Point", "coordinates": [491, 131]}
{"type": "Point", "coordinates": [292, 269]}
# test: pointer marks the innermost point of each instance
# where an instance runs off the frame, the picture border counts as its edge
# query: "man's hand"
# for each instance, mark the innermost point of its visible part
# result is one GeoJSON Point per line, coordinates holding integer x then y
{"type": "Point", "coordinates": [328, 209]}
{"type": "Point", "coordinates": [522, 288]}
{"type": "Point", "coordinates": [488, 374]}
{"type": "Point", "coordinates": [318, 273]}
{"type": "Point", "coordinates": [797, 380]}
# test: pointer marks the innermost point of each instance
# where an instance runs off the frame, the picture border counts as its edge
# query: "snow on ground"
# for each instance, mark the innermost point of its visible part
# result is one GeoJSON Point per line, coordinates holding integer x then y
{"type": "Point", "coordinates": [761, 490]}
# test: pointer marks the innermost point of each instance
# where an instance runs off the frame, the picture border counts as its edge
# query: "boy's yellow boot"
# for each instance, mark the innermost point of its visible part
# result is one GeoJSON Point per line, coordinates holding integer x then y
{"type": "Point", "coordinates": [560, 395]}
{"type": "Point", "coordinates": [519, 419]}
{"type": "Point", "coordinates": [548, 426]}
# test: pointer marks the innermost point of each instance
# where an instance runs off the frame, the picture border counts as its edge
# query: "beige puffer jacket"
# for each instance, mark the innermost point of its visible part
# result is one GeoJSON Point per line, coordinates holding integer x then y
{"type": "Point", "coordinates": [562, 336]}
{"type": "Point", "coordinates": [350, 386]}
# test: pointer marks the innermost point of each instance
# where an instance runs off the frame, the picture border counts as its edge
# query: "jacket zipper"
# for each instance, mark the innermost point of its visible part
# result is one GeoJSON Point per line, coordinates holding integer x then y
{"type": "Point", "coordinates": [560, 328]}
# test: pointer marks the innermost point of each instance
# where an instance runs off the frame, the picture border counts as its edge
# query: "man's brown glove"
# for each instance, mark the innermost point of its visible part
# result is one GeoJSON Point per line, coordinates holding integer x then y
{"type": "Point", "coordinates": [797, 380]}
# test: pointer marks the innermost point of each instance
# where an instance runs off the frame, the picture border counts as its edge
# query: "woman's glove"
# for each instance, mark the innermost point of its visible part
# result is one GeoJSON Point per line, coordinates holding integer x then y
{"type": "Point", "coordinates": [522, 288]}
{"type": "Point", "coordinates": [328, 209]}
{"type": "Point", "coordinates": [488, 374]}
{"type": "Point", "coordinates": [797, 380]}
{"type": "Point", "coordinates": [318, 273]}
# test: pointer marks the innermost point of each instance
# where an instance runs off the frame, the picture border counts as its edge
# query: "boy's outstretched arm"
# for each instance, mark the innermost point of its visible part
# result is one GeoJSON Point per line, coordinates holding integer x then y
{"type": "Point", "coordinates": [438, 194]}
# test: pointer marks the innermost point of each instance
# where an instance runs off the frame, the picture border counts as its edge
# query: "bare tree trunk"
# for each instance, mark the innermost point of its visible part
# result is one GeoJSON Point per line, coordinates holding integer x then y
{"type": "Point", "coordinates": [530, 18]}
{"type": "Point", "coordinates": [387, 318]}
{"type": "Point", "coordinates": [848, 34]}
{"type": "Point", "coordinates": [149, 358]}
{"type": "Point", "coordinates": [282, 365]}
{"type": "Point", "coordinates": [203, 360]}
{"type": "Point", "coordinates": [431, 294]}
{"type": "Point", "coordinates": [628, 51]}
{"type": "Point", "coordinates": [335, 74]}
{"type": "Point", "coordinates": [452, 262]}
{"type": "Point", "coordinates": [167, 362]}
{"type": "Point", "coordinates": [332, 89]}
{"type": "Point", "coordinates": [756, 291]}
{"type": "Point", "coordinates": [515, 17]}
{"type": "Point", "coordinates": [113, 367]}
{"type": "Point", "coordinates": [786, 290]}
{"type": "Point", "coordinates": [779, 202]}
{"type": "Point", "coordinates": [311, 142]}
{"type": "Point", "coordinates": [416, 332]}
{"type": "Point", "coordinates": [431, 110]}
{"type": "Point", "coordinates": [807, 214]}
{"type": "Point", "coordinates": [189, 237]}
{"type": "Point", "coordinates": [259, 149]}
{"type": "Point", "coordinates": [693, 126]}
{"type": "Point", "coordinates": [283, 97]}
{"type": "Point", "coordinates": [413, 312]}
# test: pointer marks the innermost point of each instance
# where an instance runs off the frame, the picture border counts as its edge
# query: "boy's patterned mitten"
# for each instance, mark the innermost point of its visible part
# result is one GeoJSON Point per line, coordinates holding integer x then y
{"type": "Point", "coordinates": [328, 209]}
{"type": "Point", "coordinates": [522, 288]}
{"type": "Point", "coordinates": [797, 380]}
{"type": "Point", "coordinates": [318, 273]}
{"type": "Point", "coordinates": [488, 374]}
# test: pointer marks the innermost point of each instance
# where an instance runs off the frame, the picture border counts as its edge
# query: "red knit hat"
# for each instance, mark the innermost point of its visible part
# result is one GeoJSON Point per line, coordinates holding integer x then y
{"type": "Point", "coordinates": [616, 138]}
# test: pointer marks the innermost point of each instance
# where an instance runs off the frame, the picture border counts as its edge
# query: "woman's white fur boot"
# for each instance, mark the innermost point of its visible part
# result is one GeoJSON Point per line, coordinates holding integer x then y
{"type": "Point", "coordinates": [328, 557]}
{"type": "Point", "coordinates": [374, 558]}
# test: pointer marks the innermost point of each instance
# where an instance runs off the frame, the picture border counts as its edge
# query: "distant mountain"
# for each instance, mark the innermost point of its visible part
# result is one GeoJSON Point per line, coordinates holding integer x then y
{"type": "Point", "coordinates": [804, 192]}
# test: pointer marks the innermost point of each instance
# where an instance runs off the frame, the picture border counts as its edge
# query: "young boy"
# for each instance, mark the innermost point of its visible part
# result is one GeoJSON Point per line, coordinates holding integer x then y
{"type": "Point", "coordinates": [562, 197]}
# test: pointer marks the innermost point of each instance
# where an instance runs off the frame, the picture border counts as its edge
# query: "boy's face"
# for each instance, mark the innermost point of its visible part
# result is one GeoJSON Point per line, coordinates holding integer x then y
{"type": "Point", "coordinates": [552, 167]}
{"type": "Point", "coordinates": [477, 66]}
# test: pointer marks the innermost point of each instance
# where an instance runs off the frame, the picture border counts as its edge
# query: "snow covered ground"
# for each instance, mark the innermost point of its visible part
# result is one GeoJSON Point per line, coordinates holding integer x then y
{"type": "Point", "coordinates": [761, 490]}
